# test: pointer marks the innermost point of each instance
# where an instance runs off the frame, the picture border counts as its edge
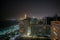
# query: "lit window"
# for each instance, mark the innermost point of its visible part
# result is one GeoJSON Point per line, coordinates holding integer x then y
{"type": "Point", "coordinates": [54, 39]}
{"type": "Point", "coordinates": [55, 33]}
{"type": "Point", "coordinates": [54, 28]}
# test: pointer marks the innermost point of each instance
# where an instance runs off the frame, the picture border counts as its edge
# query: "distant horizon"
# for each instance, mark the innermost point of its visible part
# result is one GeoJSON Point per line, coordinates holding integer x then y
{"type": "Point", "coordinates": [31, 17]}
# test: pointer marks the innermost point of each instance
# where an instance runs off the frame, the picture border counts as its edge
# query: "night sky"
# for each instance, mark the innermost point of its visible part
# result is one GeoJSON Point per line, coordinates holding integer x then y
{"type": "Point", "coordinates": [37, 8]}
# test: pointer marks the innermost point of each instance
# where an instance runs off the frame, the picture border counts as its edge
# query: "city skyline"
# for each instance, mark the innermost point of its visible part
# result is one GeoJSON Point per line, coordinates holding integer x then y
{"type": "Point", "coordinates": [30, 20]}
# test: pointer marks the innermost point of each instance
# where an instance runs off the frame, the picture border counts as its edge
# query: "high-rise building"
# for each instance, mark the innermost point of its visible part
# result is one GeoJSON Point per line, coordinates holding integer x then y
{"type": "Point", "coordinates": [54, 18]}
{"type": "Point", "coordinates": [25, 25]}
{"type": "Point", "coordinates": [55, 30]}
{"type": "Point", "coordinates": [39, 30]}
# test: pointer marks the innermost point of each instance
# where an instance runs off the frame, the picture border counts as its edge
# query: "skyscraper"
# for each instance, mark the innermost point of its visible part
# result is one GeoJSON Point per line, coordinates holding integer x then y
{"type": "Point", "coordinates": [25, 25]}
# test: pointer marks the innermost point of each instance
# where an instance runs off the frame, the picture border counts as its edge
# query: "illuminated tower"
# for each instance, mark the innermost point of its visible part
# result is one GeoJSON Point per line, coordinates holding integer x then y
{"type": "Point", "coordinates": [25, 16]}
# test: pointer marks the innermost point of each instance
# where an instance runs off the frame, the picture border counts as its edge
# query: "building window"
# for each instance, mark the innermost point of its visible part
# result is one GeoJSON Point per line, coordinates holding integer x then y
{"type": "Point", "coordinates": [55, 33]}
{"type": "Point", "coordinates": [54, 29]}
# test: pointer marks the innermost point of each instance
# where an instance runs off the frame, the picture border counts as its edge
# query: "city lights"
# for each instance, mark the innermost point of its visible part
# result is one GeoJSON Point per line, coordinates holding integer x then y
{"type": "Point", "coordinates": [30, 20]}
